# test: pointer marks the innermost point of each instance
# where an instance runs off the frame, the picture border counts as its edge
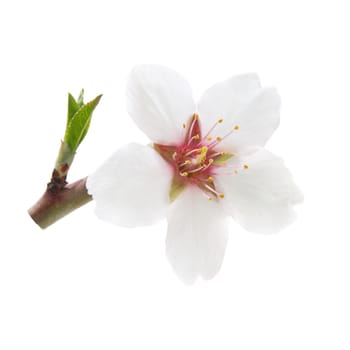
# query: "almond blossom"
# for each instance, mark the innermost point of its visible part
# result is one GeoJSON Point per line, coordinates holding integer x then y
{"type": "Point", "coordinates": [206, 164]}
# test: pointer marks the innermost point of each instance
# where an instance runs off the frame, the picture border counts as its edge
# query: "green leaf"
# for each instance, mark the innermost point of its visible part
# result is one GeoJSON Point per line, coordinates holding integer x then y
{"type": "Point", "coordinates": [78, 123]}
{"type": "Point", "coordinates": [176, 188]}
{"type": "Point", "coordinates": [73, 107]}
{"type": "Point", "coordinates": [223, 158]}
{"type": "Point", "coordinates": [81, 98]}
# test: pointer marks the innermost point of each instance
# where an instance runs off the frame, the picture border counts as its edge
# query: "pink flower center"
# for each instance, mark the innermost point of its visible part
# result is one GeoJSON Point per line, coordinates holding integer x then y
{"type": "Point", "coordinates": [195, 161]}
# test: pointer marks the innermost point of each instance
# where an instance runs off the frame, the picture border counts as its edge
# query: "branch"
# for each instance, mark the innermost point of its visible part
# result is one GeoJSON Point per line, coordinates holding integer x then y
{"type": "Point", "coordinates": [60, 198]}
{"type": "Point", "coordinates": [57, 203]}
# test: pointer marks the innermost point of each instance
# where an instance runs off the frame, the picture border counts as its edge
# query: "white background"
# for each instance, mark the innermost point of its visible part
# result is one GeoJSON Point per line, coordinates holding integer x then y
{"type": "Point", "coordinates": [83, 284]}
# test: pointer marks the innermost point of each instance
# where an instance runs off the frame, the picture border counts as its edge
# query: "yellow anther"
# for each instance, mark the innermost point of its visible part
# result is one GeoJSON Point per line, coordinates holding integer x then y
{"type": "Point", "coordinates": [245, 166]}
{"type": "Point", "coordinates": [210, 179]}
{"type": "Point", "coordinates": [210, 198]}
{"type": "Point", "coordinates": [196, 137]}
{"type": "Point", "coordinates": [221, 195]}
{"type": "Point", "coordinates": [209, 138]}
{"type": "Point", "coordinates": [174, 155]}
{"type": "Point", "coordinates": [236, 127]}
{"type": "Point", "coordinates": [195, 116]}
{"type": "Point", "coordinates": [187, 162]}
{"type": "Point", "coordinates": [211, 160]}
{"type": "Point", "coordinates": [185, 173]}
{"type": "Point", "coordinates": [184, 125]}
{"type": "Point", "coordinates": [220, 120]}
{"type": "Point", "coordinates": [219, 139]}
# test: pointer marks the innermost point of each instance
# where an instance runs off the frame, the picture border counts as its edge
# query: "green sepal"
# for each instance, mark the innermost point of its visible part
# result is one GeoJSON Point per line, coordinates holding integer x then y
{"type": "Point", "coordinates": [223, 158]}
{"type": "Point", "coordinates": [78, 121]}
{"type": "Point", "coordinates": [166, 152]}
{"type": "Point", "coordinates": [176, 188]}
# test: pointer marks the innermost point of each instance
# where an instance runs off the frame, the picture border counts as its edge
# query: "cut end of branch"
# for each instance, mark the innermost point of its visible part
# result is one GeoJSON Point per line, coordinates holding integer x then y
{"type": "Point", "coordinates": [55, 204]}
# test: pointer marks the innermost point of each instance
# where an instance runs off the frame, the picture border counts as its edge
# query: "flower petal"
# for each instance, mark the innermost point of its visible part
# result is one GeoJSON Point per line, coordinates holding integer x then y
{"type": "Point", "coordinates": [197, 236]}
{"type": "Point", "coordinates": [261, 197]}
{"type": "Point", "coordinates": [132, 187]}
{"type": "Point", "coordinates": [240, 101]}
{"type": "Point", "coordinates": [159, 100]}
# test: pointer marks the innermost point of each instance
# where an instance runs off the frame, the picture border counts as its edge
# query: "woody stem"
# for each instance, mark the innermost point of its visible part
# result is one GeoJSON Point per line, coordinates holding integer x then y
{"type": "Point", "coordinates": [57, 203]}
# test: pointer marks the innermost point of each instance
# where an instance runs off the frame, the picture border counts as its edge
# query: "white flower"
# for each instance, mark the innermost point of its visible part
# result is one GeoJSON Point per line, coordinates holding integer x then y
{"type": "Point", "coordinates": [206, 164]}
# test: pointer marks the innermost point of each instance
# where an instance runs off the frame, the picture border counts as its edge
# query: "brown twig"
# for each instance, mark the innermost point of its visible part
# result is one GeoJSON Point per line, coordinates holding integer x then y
{"type": "Point", "coordinates": [56, 203]}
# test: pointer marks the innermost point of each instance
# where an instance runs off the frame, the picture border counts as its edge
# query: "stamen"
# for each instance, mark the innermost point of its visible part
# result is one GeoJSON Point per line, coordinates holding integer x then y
{"type": "Point", "coordinates": [214, 143]}
{"type": "Point", "coordinates": [194, 120]}
{"type": "Point", "coordinates": [220, 120]}
{"type": "Point", "coordinates": [195, 150]}
{"type": "Point", "coordinates": [224, 165]}
{"type": "Point", "coordinates": [224, 171]}
{"type": "Point", "coordinates": [218, 154]}
{"type": "Point", "coordinates": [174, 155]}
{"type": "Point", "coordinates": [210, 179]}
{"type": "Point", "coordinates": [195, 137]}
{"type": "Point", "coordinates": [185, 173]}
{"type": "Point", "coordinates": [221, 195]}
{"type": "Point", "coordinates": [245, 166]}
{"type": "Point", "coordinates": [196, 170]}
{"type": "Point", "coordinates": [221, 174]}
{"type": "Point", "coordinates": [207, 196]}
{"type": "Point", "coordinates": [184, 125]}
{"type": "Point", "coordinates": [187, 162]}
{"type": "Point", "coordinates": [210, 162]}
{"type": "Point", "coordinates": [209, 138]}
{"type": "Point", "coordinates": [219, 139]}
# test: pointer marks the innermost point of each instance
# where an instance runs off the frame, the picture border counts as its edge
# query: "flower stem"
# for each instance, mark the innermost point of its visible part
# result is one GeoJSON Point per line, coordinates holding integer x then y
{"type": "Point", "coordinates": [58, 202]}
